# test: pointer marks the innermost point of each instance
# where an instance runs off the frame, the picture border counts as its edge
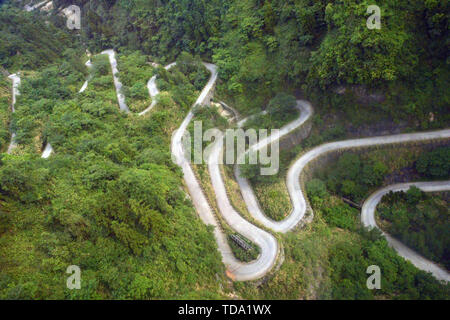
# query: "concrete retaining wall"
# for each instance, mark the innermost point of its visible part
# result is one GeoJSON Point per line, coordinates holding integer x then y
{"type": "Point", "coordinates": [297, 136]}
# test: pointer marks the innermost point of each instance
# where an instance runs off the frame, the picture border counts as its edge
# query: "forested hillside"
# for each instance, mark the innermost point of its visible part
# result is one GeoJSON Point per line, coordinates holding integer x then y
{"type": "Point", "coordinates": [111, 200]}
{"type": "Point", "coordinates": [421, 221]}
{"type": "Point", "coordinates": [323, 47]}
{"type": "Point", "coordinates": [160, 28]}
{"type": "Point", "coordinates": [27, 42]}
{"type": "Point", "coordinates": [92, 204]}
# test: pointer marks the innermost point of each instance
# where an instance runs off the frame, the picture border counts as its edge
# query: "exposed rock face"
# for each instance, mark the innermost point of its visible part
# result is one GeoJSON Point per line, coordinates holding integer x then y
{"type": "Point", "coordinates": [223, 112]}
{"type": "Point", "coordinates": [49, 6]}
{"type": "Point", "coordinates": [380, 128]}
{"type": "Point", "coordinates": [4, 72]}
{"type": "Point", "coordinates": [296, 137]}
{"type": "Point", "coordinates": [362, 94]}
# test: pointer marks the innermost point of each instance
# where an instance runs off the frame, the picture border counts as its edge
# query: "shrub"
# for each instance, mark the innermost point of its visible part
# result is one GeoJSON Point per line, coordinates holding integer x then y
{"type": "Point", "coordinates": [435, 164]}
{"type": "Point", "coordinates": [316, 188]}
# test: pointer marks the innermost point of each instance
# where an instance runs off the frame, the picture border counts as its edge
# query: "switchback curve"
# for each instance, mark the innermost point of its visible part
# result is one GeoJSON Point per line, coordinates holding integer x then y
{"type": "Point", "coordinates": [369, 221]}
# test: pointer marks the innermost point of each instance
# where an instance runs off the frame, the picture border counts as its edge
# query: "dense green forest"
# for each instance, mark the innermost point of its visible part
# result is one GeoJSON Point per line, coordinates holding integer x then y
{"type": "Point", "coordinates": [316, 47]}
{"type": "Point", "coordinates": [419, 220]}
{"type": "Point", "coordinates": [111, 200]}
{"type": "Point", "coordinates": [27, 42]}
{"type": "Point", "coordinates": [355, 175]}
{"type": "Point", "coordinates": [435, 164]}
{"type": "Point", "coordinates": [319, 45]}
{"type": "Point", "coordinates": [90, 204]}
{"type": "Point", "coordinates": [325, 259]}
{"type": "Point", "coordinates": [185, 80]}
{"type": "Point", "coordinates": [43, 92]}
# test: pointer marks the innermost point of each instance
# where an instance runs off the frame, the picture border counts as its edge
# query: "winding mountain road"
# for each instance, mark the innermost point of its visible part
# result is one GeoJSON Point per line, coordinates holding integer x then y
{"type": "Point", "coordinates": [120, 97]}
{"type": "Point", "coordinates": [48, 150]}
{"type": "Point", "coordinates": [151, 84]}
{"type": "Point", "coordinates": [298, 198]}
{"type": "Point", "coordinates": [258, 268]}
{"type": "Point", "coordinates": [268, 245]}
{"type": "Point", "coordinates": [299, 202]}
{"type": "Point", "coordinates": [236, 269]}
{"type": "Point", "coordinates": [239, 271]}
{"type": "Point", "coordinates": [15, 78]}
{"type": "Point", "coordinates": [248, 195]}
{"type": "Point", "coordinates": [296, 193]}
{"type": "Point", "coordinates": [86, 83]}
{"type": "Point", "coordinates": [153, 89]}
{"type": "Point", "coordinates": [368, 220]}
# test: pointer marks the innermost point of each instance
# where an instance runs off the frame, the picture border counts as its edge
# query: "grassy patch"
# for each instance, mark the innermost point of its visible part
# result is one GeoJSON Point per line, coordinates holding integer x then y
{"type": "Point", "coordinates": [274, 199]}
{"type": "Point", "coordinates": [240, 253]}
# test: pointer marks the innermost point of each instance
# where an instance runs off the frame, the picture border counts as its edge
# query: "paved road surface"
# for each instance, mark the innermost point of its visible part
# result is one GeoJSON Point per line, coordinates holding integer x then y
{"type": "Point", "coordinates": [120, 97]}
{"type": "Point", "coordinates": [153, 89]}
{"type": "Point", "coordinates": [266, 242]}
{"type": "Point", "coordinates": [237, 270]}
{"type": "Point", "coordinates": [15, 92]}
